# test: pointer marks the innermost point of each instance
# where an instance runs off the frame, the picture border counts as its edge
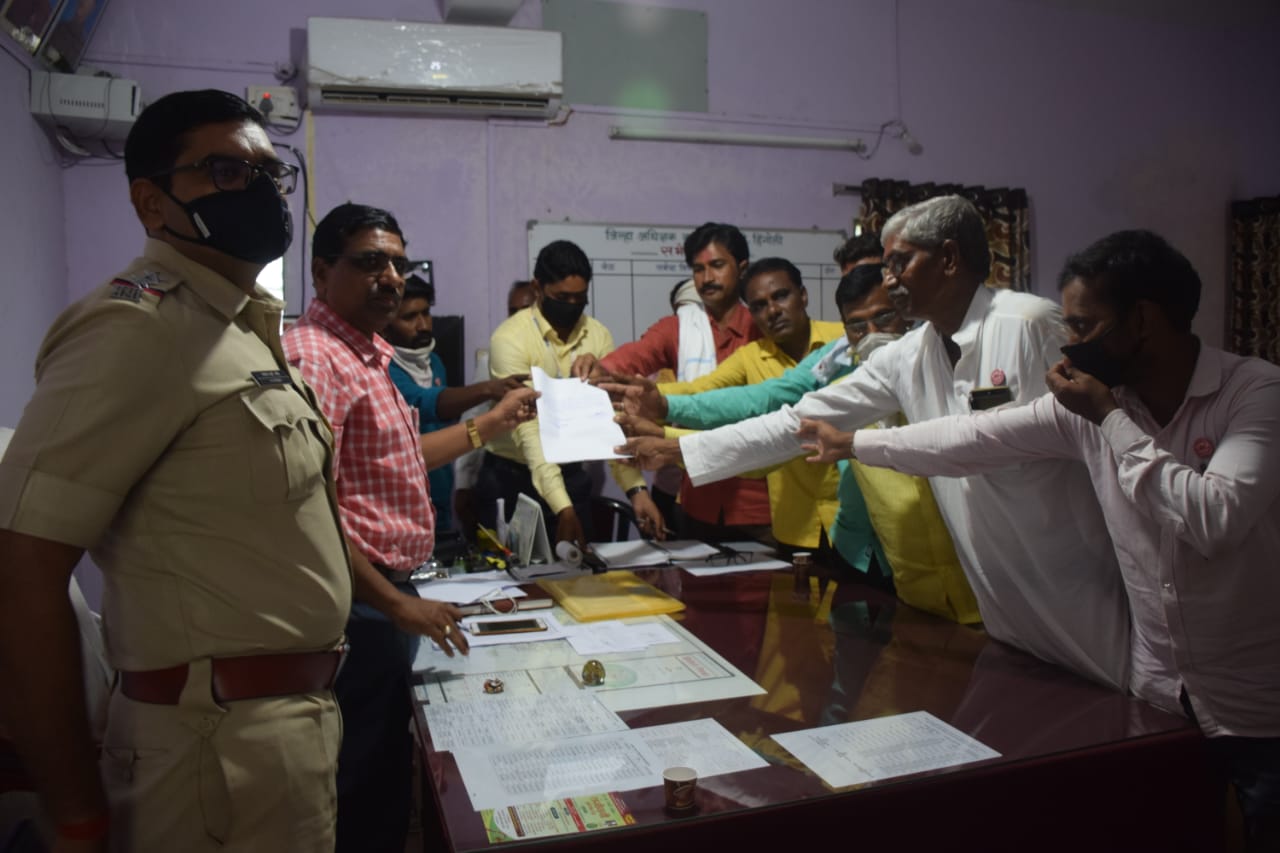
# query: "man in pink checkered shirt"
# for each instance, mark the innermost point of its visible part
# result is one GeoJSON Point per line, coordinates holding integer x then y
{"type": "Point", "coordinates": [380, 471]}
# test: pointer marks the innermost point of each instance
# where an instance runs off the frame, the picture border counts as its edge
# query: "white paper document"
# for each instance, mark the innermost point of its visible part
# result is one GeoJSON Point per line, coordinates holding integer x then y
{"type": "Point", "coordinates": [467, 590]}
{"type": "Point", "coordinates": [870, 750]}
{"type": "Point", "coordinates": [721, 566]}
{"type": "Point", "coordinates": [497, 719]}
{"type": "Point", "coordinates": [641, 552]}
{"type": "Point", "coordinates": [575, 420]}
{"type": "Point", "coordinates": [598, 638]}
{"type": "Point", "coordinates": [500, 776]}
{"type": "Point", "coordinates": [623, 761]}
{"type": "Point", "coordinates": [704, 745]}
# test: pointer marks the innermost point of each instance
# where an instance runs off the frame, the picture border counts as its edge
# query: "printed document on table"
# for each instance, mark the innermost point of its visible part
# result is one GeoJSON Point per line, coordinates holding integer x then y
{"type": "Point", "coordinates": [640, 552]}
{"type": "Point", "coordinates": [575, 420]}
{"type": "Point", "coordinates": [871, 750]}
{"type": "Point", "coordinates": [720, 566]}
{"type": "Point", "coordinates": [502, 719]}
{"type": "Point", "coordinates": [465, 589]}
{"type": "Point", "coordinates": [614, 635]}
{"type": "Point", "coordinates": [703, 744]}
{"type": "Point", "coordinates": [501, 776]}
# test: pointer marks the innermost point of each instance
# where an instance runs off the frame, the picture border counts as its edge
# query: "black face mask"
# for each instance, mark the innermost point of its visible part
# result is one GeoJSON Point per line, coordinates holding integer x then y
{"type": "Point", "coordinates": [1092, 358]}
{"type": "Point", "coordinates": [562, 315]}
{"type": "Point", "coordinates": [252, 224]}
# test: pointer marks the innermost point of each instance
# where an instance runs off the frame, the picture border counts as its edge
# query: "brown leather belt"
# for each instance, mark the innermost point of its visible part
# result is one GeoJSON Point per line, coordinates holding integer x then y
{"type": "Point", "coordinates": [247, 677]}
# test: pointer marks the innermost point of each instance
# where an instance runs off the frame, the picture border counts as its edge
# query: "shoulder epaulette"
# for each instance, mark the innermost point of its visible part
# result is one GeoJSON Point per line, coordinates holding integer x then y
{"type": "Point", "coordinates": [131, 286]}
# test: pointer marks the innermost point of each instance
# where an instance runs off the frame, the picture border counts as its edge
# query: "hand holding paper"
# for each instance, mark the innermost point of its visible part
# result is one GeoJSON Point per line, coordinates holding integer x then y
{"type": "Point", "coordinates": [575, 420]}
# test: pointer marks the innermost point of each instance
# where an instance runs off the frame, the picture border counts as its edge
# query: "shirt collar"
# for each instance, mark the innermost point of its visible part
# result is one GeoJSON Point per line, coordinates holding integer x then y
{"type": "Point", "coordinates": [967, 335]}
{"type": "Point", "coordinates": [1206, 378]}
{"type": "Point", "coordinates": [772, 350]}
{"type": "Point", "coordinates": [737, 322]}
{"type": "Point", "coordinates": [374, 351]}
{"type": "Point", "coordinates": [221, 295]}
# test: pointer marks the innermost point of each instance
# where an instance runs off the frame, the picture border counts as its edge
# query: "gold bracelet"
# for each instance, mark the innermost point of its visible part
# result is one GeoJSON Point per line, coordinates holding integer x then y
{"type": "Point", "coordinates": [473, 433]}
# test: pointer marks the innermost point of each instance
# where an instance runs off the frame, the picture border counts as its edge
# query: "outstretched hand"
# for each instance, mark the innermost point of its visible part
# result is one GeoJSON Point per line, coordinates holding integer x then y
{"type": "Point", "coordinates": [515, 407]}
{"type": "Point", "coordinates": [637, 395]}
{"type": "Point", "coordinates": [634, 426]}
{"type": "Point", "coordinates": [824, 442]}
{"type": "Point", "coordinates": [650, 453]}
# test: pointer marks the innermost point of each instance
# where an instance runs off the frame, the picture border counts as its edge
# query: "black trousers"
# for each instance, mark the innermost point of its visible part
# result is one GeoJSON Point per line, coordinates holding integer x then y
{"type": "Point", "coordinates": [501, 478]}
{"type": "Point", "coordinates": [375, 763]}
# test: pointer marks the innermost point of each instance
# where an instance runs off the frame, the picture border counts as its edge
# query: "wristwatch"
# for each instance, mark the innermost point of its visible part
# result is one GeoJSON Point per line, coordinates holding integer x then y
{"type": "Point", "coordinates": [631, 492]}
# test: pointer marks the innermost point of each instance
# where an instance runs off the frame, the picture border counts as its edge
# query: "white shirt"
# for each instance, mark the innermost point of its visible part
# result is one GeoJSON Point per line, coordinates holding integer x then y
{"type": "Point", "coordinates": [1194, 509]}
{"type": "Point", "coordinates": [1030, 537]}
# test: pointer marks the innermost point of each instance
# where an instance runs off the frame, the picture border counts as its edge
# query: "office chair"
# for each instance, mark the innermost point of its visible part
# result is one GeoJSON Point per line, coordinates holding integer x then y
{"type": "Point", "coordinates": [611, 519]}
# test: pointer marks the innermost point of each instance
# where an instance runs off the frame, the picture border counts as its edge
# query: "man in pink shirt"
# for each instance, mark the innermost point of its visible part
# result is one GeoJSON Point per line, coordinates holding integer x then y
{"type": "Point", "coordinates": [358, 264]}
{"type": "Point", "coordinates": [1180, 441]}
{"type": "Point", "coordinates": [717, 255]}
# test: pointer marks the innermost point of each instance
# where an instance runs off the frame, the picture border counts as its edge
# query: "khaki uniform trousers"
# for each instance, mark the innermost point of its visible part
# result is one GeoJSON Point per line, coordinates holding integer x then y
{"type": "Point", "coordinates": [253, 775]}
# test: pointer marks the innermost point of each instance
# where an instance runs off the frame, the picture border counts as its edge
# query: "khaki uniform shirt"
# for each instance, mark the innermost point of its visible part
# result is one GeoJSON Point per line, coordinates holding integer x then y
{"type": "Point", "coordinates": [168, 436]}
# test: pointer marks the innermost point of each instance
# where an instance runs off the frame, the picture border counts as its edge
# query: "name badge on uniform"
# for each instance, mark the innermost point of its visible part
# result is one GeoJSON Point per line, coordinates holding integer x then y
{"type": "Point", "coordinates": [263, 378]}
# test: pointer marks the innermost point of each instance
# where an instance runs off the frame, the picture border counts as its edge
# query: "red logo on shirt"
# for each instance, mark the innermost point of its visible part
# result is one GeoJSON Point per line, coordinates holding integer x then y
{"type": "Point", "coordinates": [1202, 447]}
{"type": "Point", "coordinates": [998, 377]}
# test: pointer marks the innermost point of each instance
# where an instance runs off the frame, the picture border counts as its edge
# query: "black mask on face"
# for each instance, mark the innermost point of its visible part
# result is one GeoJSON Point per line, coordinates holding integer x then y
{"type": "Point", "coordinates": [252, 224]}
{"type": "Point", "coordinates": [1093, 358]}
{"type": "Point", "coordinates": [562, 315]}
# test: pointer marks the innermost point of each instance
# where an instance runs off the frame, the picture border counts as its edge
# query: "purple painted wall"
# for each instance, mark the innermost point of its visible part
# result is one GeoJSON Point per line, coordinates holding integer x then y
{"type": "Point", "coordinates": [32, 242]}
{"type": "Point", "coordinates": [1108, 120]}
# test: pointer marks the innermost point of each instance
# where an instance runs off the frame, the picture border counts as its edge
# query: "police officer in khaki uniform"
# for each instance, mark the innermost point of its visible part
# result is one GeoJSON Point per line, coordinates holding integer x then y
{"type": "Point", "coordinates": [168, 437]}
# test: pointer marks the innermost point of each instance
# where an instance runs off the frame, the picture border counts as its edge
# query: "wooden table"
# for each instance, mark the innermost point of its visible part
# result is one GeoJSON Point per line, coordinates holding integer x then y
{"type": "Point", "coordinates": [1082, 768]}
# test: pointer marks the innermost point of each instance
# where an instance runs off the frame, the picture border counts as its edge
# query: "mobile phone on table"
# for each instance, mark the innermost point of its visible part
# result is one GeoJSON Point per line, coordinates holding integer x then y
{"type": "Point", "coordinates": [509, 626]}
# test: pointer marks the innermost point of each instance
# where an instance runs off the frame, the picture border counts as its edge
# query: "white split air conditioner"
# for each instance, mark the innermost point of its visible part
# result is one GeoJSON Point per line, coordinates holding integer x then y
{"type": "Point", "coordinates": [395, 66]}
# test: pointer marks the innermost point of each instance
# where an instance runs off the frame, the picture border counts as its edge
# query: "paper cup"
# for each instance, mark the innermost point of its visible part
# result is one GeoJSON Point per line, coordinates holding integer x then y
{"type": "Point", "coordinates": [679, 783]}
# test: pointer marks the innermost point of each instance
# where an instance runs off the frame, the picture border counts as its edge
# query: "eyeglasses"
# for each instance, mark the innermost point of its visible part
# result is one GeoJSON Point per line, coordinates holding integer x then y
{"type": "Point", "coordinates": [885, 318]}
{"type": "Point", "coordinates": [373, 263]}
{"type": "Point", "coordinates": [231, 174]}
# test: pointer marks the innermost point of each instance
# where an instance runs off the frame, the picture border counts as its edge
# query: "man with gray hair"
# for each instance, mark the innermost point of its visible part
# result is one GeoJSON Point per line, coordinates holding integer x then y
{"type": "Point", "coordinates": [1031, 537]}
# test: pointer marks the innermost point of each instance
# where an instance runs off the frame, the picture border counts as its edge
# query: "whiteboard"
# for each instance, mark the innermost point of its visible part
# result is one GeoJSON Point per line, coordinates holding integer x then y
{"type": "Point", "coordinates": [634, 267]}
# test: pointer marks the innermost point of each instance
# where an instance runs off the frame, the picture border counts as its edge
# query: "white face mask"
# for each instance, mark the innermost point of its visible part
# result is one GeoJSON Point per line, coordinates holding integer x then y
{"type": "Point", "coordinates": [872, 342]}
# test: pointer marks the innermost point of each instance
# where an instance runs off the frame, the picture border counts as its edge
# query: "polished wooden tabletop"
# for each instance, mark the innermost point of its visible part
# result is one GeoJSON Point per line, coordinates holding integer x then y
{"type": "Point", "coordinates": [1080, 767]}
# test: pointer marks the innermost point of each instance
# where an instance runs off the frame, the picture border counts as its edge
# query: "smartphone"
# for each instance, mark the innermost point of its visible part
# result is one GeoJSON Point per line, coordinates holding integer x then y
{"type": "Point", "coordinates": [988, 398]}
{"type": "Point", "coordinates": [511, 626]}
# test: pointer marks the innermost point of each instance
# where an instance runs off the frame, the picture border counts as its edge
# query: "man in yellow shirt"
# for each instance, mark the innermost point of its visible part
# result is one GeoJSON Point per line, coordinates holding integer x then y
{"type": "Point", "coordinates": [802, 502]}
{"type": "Point", "coordinates": [551, 334]}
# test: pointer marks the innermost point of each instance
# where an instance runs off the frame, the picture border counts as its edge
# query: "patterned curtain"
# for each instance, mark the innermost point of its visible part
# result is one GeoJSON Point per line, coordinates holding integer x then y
{"type": "Point", "coordinates": [1005, 212]}
{"type": "Point", "coordinates": [1253, 309]}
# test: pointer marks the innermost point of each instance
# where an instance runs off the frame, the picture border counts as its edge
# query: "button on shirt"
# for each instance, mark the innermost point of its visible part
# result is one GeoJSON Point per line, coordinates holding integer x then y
{"type": "Point", "coordinates": [168, 437]}
{"type": "Point", "coordinates": [524, 340]}
{"type": "Point", "coordinates": [1031, 537]}
{"type": "Point", "coordinates": [1194, 510]}
{"type": "Point", "coordinates": [802, 497]}
{"type": "Point", "coordinates": [381, 475]}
